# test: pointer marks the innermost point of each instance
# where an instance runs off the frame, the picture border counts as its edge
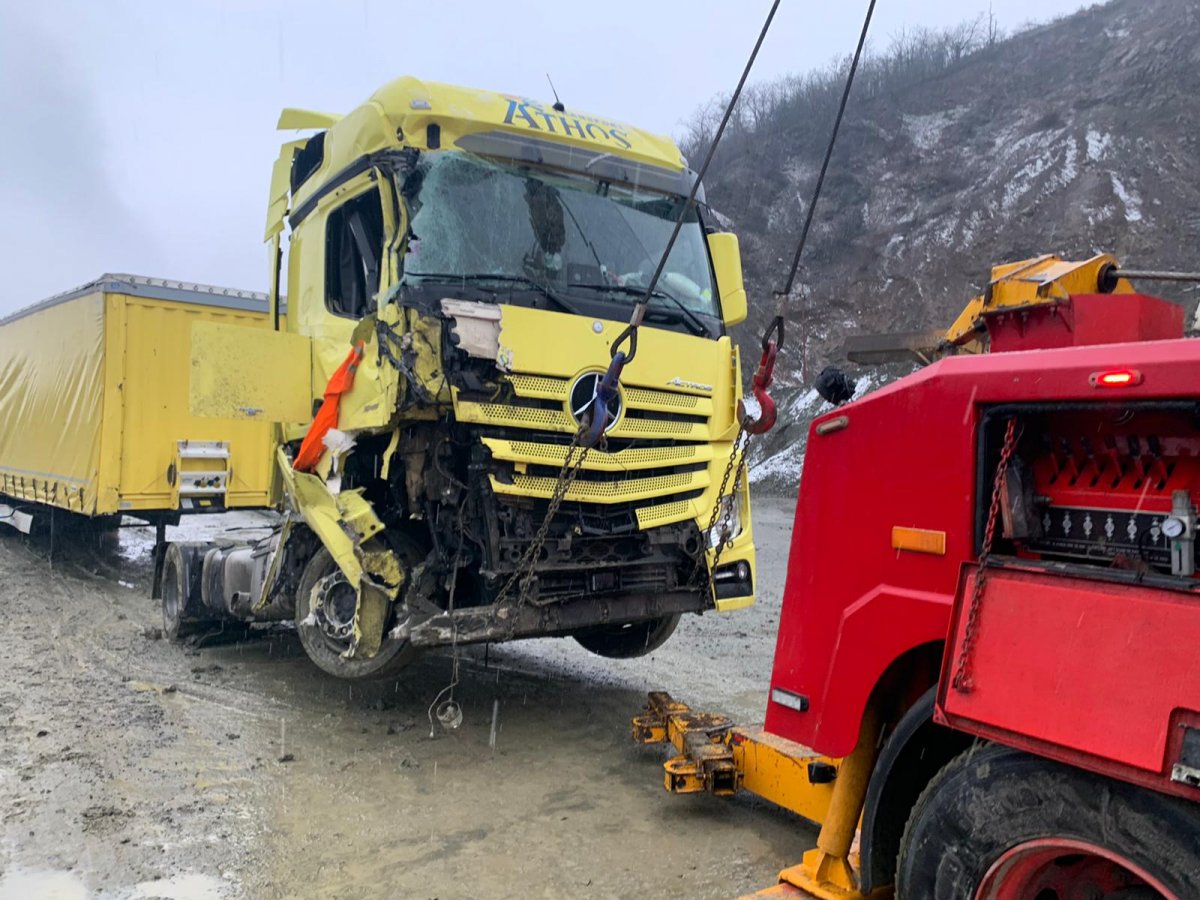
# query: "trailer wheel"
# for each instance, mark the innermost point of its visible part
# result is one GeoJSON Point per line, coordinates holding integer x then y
{"type": "Point", "coordinates": [183, 612]}
{"type": "Point", "coordinates": [998, 823]}
{"type": "Point", "coordinates": [628, 640]}
{"type": "Point", "coordinates": [325, 603]}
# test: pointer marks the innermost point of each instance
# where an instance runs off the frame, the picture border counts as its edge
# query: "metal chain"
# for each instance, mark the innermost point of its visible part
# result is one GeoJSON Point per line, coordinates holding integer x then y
{"type": "Point", "coordinates": [566, 477]}
{"type": "Point", "coordinates": [737, 458]}
{"type": "Point", "coordinates": [962, 676]}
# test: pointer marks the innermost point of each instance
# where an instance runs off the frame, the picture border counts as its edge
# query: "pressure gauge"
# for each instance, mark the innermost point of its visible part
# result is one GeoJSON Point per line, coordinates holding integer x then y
{"type": "Point", "coordinates": [1172, 527]}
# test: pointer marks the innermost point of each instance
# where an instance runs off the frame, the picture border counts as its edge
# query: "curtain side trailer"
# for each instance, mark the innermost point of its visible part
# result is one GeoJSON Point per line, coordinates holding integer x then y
{"type": "Point", "coordinates": [94, 411]}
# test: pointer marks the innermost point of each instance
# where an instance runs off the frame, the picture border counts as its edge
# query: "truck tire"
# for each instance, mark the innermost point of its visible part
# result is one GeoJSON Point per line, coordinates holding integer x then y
{"type": "Point", "coordinates": [183, 612]}
{"type": "Point", "coordinates": [318, 634]}
{"type": "Point", "coordinates": [628, 640]}
{"type": "Point", "coordinates": [996, 822]}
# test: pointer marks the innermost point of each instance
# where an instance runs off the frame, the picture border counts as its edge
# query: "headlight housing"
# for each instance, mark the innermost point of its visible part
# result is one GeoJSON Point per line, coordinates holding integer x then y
{"type": "Point", "coordinates": [729, 522]}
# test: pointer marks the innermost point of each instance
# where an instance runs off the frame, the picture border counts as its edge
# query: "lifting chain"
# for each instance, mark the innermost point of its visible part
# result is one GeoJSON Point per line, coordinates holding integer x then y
{"type": "Point", "coordinates": [524, 574]}
{"type": "Point", "coordinates": [962, 675]}
{"type": "Point", "coordinates": [590, 434]}
{"type": "Point", "coordinates": [721, 519]}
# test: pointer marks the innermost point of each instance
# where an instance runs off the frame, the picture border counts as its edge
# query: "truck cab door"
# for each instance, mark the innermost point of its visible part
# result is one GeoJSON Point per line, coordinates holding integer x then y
{"type": "Point", "coordinates": [363, 228]}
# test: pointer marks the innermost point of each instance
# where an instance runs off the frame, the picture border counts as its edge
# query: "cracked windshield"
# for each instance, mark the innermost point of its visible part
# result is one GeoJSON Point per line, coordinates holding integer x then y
{"type": "Point", "coordinates": [479, 220]}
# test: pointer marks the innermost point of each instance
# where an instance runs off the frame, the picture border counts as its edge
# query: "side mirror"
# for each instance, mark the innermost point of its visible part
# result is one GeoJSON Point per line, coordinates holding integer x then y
{"type": "Point", "coordinates": [727, 265]}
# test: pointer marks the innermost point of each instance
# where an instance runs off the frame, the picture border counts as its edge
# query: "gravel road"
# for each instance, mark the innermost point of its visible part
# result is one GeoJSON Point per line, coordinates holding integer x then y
{"type": "Point", "coordinates": [133, 768]}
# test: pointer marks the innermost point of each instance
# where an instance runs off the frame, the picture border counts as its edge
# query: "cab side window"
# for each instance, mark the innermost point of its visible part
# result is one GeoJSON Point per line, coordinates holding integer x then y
{"type": "Point", "coordinates": [353, 248]}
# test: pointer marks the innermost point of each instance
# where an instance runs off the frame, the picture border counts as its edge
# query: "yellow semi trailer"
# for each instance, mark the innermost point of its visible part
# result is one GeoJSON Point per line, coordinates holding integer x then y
{"type": "Point", "coordinates": [460, 265]}
{"type": "Point", "coordinates": [94, 413]}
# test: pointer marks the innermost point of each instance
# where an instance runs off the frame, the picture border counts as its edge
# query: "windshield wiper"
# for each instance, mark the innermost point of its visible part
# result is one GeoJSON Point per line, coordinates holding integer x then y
{"type": "Point", "coordinates": [475, 277]}
{"type": "Point", "coordinates": [697, 327]}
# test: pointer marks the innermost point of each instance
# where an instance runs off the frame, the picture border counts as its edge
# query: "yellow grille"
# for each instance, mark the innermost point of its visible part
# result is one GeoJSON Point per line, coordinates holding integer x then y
{"type": "Point", "coordinates": [544, 387]}
{"type": "Point", "coordinates": [539, 386]}
{"type": "Point", "coordinates": [647, 427]}
{"type": "Point", "coordinates": [629, 489]}
{"type": "Point", "coordinates": [523, 415]}
{"type": "Point", "coordinates": [558, 420]}
{"type": "Point", "coordinates": [664, 514]}
{"type": "Point", "coordinates": [598, 460]}
{"type": "Point", "coordinates": [643, 397]}
{"type": "Point", "coordinates": [642, 484]}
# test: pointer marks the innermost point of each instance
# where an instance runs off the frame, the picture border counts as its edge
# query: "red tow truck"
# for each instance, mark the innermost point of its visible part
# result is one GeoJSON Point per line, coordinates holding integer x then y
{"type": "Point", "coordinates": [986, 681]}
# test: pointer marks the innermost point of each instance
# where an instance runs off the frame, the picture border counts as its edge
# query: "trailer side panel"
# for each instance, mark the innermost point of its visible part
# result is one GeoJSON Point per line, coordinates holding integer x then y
{"type": "Point", "coordinates": [51, 404]}
{"type": "Point", "coordinates": [157, 415]}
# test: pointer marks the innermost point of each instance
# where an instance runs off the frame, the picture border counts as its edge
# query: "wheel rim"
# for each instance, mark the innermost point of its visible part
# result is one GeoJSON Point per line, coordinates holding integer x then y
{"type": "Point", "coordinates": [334, 604]}
{"type": "Point", "coordinates": [1059, 868]}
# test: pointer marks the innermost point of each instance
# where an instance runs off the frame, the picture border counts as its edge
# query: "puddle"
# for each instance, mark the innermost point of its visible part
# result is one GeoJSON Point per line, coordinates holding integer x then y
{"type": "Point", "coordinates": [22, 884]}
{"type": "Point", "coordinates": [18, 884]}
{"type": "Point", "coordinates": [182, 887]}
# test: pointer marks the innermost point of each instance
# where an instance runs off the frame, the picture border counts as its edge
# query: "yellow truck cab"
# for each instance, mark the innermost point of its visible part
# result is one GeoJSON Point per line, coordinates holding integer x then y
{"type": "Point", "coordinates": [458, 266]}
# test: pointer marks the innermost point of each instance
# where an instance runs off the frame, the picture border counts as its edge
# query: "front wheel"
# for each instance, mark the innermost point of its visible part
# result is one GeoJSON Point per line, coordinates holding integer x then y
{"type": "Point", "coordinates": [630, 639]}
{"type": "Point", "coordinates": [325, 604]}
{"type": "Point", "coordinates": [997, 823]}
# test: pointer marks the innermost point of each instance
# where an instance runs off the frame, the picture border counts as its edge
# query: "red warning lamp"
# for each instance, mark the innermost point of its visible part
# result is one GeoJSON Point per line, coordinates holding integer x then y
{"type": "Point", "coordinates": [1115, 378]}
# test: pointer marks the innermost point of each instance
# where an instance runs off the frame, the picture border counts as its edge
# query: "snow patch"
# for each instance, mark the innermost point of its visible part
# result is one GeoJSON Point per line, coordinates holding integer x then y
{"type": "Point", "coordinates": [1097, 144]}
{"type": "Point", "coordinates": [926, 131]}
{"type": "Point", "coordinates": [1070, 165]}
{"type": "Point", "coordinates": [1129, 197]}
{"type": "Point", "coordinates": [1057, 161]}
{"type": "Point", "coordinates": [784, 465]}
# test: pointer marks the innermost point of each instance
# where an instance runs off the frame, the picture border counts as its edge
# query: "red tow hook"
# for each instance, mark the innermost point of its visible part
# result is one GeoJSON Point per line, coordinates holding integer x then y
{"type": "Point", "coordinates": [762, 380]}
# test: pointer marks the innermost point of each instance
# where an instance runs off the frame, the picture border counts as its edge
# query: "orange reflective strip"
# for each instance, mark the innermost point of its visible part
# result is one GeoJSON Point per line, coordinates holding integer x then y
{"type": "Point", "coordinates": [919, 540]}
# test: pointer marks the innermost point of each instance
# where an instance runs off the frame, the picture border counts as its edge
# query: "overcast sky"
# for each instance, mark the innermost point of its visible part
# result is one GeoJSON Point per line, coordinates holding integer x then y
{"type": "Point", "coordinates": [138, 135]}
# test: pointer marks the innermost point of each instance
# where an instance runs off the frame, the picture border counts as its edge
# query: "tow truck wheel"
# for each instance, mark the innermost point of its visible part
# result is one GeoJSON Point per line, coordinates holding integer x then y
{"type": "Point", "coordinates": [998, 823]}
{"type": "Point", "coordinates": [628, 640]}
{"type": "Point", "coordinates": [183, 613]}
{"type": "Point", "coordinates": [325, 603]}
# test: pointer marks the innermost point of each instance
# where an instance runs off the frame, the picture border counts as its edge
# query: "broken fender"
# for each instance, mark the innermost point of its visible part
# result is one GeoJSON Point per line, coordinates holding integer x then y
{"type": "Point", "coordinates": [345, 523]}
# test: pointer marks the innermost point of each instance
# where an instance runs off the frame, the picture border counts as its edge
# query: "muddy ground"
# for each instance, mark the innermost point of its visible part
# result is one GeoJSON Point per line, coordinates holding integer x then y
{"type": "Point", "coordinates": [133, 768]}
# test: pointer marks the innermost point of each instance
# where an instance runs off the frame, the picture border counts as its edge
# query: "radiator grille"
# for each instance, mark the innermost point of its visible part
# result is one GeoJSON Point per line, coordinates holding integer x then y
{"type": "Point", "coordinates": [660, 456]}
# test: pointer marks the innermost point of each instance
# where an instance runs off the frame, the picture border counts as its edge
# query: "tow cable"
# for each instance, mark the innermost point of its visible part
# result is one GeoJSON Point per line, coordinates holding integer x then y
{"type": "Point", "coordinates": [772, 343]}
{"type": "Point", "coordinates": [592, 428]}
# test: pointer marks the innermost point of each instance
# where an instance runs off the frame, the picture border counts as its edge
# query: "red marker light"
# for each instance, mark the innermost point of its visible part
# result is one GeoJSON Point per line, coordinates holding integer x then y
{"type": "Point", "coordinates": [1115, 378]}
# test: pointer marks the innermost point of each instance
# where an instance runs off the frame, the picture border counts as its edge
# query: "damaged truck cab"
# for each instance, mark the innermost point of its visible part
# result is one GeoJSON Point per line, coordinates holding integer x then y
{"type": "Point", "coordinates": [459, 264]}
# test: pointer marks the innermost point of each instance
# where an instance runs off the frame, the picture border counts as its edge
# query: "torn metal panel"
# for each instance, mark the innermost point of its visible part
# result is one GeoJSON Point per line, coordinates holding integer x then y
{"type": "Point", "coordinates": [476, 331]}
{"type": "Point", "coordinates": [384, 579]}
{"type": "Point", "coordinates": [386, 460]}
{"type": "Point", "coordinates": [345, 523]}
{"type": "Point", "coordinates": [277, 205]}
